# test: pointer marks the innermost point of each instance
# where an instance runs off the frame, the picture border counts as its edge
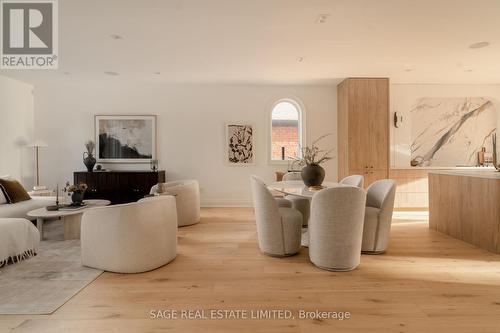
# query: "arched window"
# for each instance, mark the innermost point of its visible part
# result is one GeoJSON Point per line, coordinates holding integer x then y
{"type": "Point", "coordinates": [286, 130]}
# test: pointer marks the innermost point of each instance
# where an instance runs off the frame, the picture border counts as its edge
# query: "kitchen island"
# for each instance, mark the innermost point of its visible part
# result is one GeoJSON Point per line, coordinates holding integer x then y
{"type": "Point", "coordinates": [466, 205]}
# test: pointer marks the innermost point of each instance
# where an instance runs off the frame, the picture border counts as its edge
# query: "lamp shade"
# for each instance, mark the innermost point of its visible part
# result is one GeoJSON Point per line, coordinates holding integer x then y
{"type": "Point", "coordinates": [37, 143]}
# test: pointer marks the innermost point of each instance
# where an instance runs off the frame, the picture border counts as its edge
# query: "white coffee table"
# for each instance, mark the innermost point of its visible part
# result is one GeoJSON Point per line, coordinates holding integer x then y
{"type": "Point", "coordinates": [71, 218]}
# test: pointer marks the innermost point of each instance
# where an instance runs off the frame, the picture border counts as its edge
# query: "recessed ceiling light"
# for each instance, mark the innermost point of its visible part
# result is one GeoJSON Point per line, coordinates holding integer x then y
{"type": "Point", "coordinates": [157, 73]}
{"type": "Point", "coordinates": [66, 73]}
{"type": "Point", "coordinates": [408, 69]}
{"type": "Point", "coordinates": [116, 36]}
{"type": "Point", "coordinates": [111, 73]}
{"type": "Point", "coordinates": [478, 45]}
{"type": "Point", "coordinates": [469, 70]}
{"type": "Point", "coordinates": [300, 59]}
{"type": "Point", "coordinates": [322, 18]}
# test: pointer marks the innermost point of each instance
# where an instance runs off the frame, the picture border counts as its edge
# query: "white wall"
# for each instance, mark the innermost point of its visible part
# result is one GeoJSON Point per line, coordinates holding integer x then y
{"type": "Point", "coordinates": [16, 129]}
{"type": "Point", "coordinates": [191, 122]}
{"type": "Point", "coordinates": [403, 96]}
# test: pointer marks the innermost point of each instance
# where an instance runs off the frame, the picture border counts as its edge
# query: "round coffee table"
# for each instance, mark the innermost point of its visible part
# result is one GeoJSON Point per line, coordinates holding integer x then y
{"type": "Point", "coordinates": [71, 218]}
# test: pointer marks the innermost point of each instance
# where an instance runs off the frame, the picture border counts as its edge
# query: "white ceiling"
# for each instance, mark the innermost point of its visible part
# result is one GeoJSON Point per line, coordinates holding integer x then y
{"type": "Point", "coordinates": [261, 41]}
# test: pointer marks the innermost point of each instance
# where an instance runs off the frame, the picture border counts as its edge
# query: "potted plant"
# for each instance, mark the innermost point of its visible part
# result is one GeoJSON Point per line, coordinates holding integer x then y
{"type": "Point", "coordinates": [90, 160]}
{"type": "Point", "coordinates": [76, 192]}
{"type": "Point", "coordinates": [312, 157]}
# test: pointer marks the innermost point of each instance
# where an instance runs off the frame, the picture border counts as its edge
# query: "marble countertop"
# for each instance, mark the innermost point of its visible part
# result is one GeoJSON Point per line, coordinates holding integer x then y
{"type": "Point", "coordinates": [490, 174]}
{"type": "Point", "coordinates": [465, 168]}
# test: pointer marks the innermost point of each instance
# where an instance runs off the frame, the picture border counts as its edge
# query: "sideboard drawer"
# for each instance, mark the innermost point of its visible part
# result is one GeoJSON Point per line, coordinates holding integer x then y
{"type": "Point", "coordinates": [118, 186]}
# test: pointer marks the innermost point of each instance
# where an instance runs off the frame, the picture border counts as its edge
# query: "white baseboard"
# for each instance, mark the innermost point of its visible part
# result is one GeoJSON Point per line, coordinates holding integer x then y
{"type": "Point", "coordinates": [226, 203]}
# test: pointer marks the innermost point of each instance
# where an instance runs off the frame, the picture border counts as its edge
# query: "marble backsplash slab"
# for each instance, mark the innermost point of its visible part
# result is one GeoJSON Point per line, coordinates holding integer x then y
{"type": "Point", "coordinates": [446, 132]}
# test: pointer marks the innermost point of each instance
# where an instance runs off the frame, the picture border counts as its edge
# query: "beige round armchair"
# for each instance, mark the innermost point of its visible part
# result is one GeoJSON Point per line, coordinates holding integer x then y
{"type": "Point", "coordinates": [336, 228]}
{"type": "Point", "coordinates": [130, 238]}
{"type": "Point", "coordinates": [187, 197]}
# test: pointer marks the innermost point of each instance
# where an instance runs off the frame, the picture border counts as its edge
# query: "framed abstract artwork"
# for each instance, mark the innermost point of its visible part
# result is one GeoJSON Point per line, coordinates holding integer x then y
{"type": "Point", "coordinates": [125, 139]}
{"type": "Point", "coordinates": [240, 144]}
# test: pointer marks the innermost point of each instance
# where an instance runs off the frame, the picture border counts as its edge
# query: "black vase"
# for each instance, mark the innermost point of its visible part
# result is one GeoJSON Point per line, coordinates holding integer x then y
{"type": "Point", "coordinates": [89, 161]}
{"type": "Point", "coordinates": [77, 198]}
{"type": "Point", "coordinates": [313, 175]}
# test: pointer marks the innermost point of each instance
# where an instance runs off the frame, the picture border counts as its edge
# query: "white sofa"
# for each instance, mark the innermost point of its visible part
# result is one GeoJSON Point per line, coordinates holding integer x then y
{"type": "Point", "coordinates": [130, 238]}
{"type": "Point", "coordinates": [20, 209]}
{"type": "Point", "coordinates": [19, 240]}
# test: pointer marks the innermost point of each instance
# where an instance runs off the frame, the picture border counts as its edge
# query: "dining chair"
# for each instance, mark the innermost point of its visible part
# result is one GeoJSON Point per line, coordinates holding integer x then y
{"type": "Point", "coordinates": [378, 216]}
{"type": "Point", "coordinates": [278, 228]}
{"type": "Point", "coordinates": [336, 228]}
{"type": "Point", "coordinates": [299, 203]}
{"type": "Point", "coordinates": [354, 180]}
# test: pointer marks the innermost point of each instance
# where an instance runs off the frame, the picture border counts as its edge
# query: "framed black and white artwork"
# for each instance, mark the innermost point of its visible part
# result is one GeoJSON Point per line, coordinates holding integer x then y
{"type": "Point", "coordinates": [240, 144]}
{"type": "Point", "coordinates": [125, 139]}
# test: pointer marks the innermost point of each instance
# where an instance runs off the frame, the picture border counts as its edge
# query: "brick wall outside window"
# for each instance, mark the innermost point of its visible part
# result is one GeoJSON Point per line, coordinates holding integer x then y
{"type": "Point", "coordinates": [285, 136]}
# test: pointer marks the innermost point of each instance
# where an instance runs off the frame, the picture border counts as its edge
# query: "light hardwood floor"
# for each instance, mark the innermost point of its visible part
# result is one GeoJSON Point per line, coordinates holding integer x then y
{"type": "Point", "coordinates": [426, 282]}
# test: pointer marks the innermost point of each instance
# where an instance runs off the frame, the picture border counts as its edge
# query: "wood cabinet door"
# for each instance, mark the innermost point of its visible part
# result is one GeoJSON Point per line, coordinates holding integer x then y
{"type": "Point", "coordinates": [358, 132]}
{"type": "Point", "coordinates": [343, 128]}
{"type": "Point", "coordinates": [368, 127]}
{"type": "Point", "coordinates": [373, 175]}
{"type": "Point", "coordinates": [378, 124]}
{"type": "Point", "coordinates": [360, 172]}
{"type": "Point", "coordinates": [370, 175]}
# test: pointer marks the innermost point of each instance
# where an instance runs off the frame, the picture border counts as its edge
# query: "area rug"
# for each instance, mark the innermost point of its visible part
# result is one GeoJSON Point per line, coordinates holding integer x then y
{"type": "Point", "coordinates": [40, 285]}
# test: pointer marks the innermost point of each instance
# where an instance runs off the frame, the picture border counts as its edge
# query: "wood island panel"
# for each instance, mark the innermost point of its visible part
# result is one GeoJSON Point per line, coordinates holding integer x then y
{"type": "Point", "coordinates": [466, 207]}
{"type": "Point", "coordinates": [412, 192]}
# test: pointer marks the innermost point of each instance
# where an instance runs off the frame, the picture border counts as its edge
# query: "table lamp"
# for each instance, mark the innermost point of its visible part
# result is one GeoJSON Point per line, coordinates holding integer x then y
{"type": "Point", "coordinates": [37, 144]}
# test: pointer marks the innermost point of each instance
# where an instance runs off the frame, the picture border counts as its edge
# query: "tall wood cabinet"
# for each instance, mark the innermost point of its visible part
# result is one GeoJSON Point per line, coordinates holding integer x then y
{"type": "Point", "coordinates": [363, 128]}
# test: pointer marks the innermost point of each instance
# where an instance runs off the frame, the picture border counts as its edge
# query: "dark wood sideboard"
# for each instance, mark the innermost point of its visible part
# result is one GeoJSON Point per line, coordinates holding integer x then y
{"type": "Point", "coordinates": [118, 186]}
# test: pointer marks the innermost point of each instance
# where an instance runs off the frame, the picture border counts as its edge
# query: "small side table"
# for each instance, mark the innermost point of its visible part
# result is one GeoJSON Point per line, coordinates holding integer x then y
{"type": "Point", "coordinates": [42, 193]}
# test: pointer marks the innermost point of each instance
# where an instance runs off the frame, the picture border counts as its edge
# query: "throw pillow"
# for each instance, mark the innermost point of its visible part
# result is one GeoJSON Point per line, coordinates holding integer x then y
{"type": "Point", "coordinates": [3, 199]}
{"type": "Point", "coordinates": [14, 191]}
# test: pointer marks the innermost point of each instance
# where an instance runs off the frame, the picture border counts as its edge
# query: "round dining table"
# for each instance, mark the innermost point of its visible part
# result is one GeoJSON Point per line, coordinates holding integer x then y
{"type": "Point", "coordinates": [298, 188]}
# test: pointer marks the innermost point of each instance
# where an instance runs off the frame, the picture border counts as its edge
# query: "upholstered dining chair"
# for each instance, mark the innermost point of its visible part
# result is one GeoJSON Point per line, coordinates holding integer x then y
{"type": "Point", "coordinates": [187, 197]}
{"type": "Point", "coordinates": [378, 216]}
{"type": "Point", "coordinates": [299, 203]}
{"type": "Point", "coordinates": [130, 238]}
{"type": "Point", "coordinates": [278, 228]}
{"type": "Point", "coordinates": [280, 200]}
{"type": "Point", "coordinates": [336, 228]}
{"type": "Point", "coordinates": [354, 180]}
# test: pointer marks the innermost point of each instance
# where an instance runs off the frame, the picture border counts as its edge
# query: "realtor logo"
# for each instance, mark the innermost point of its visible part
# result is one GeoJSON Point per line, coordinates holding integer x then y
{"type": "Point", "coordinates": [29, 34]}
